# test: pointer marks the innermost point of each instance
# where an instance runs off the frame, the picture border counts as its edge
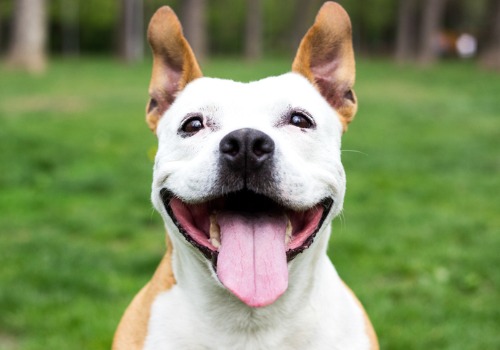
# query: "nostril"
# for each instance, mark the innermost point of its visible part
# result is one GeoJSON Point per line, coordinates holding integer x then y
{"type": "Point", "coordinates": [230, 147]}
{"type": "Point", "coordinates": [263, 146]}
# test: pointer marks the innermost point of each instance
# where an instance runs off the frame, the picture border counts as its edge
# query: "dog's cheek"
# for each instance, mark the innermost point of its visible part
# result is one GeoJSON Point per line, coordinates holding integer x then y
{"type": "Point", "coordinates": [297, 185]}
{"type": "Point", "coordinates": [338, 187]}
{"type": "Point", "coordinates": [309, 170]}
{"type": "Point", "coordinates": [186, 166]}
{"type": "Point", "coordinates": [156, 201]}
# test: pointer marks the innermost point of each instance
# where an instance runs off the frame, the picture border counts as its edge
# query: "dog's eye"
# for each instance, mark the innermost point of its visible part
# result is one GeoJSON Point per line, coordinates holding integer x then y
{"type": "Point", "coordinates": [192, 125]}
{"type": "Point", "coordinates": [300, 120]}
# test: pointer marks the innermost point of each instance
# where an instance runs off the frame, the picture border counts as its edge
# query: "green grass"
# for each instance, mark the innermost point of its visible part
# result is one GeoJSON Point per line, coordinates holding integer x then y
{"type": "Point", "coordinates": [418, 240]}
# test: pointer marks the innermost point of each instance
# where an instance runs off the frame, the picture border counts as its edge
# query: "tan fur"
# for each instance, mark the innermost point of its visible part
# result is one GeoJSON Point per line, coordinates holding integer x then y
{"type": "Point", "coordinates": [133, 327]}
{"type": "Point", "coordinates": [326, 57]}
{"type": "Point", "coordinates": [174, 63]}
{"type": "Point", "coordinates": [370, 331]}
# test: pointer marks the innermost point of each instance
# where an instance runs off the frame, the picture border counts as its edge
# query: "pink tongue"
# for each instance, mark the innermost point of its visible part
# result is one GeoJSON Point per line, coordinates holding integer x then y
{"type": "Point", "coordinates": [252, 257]}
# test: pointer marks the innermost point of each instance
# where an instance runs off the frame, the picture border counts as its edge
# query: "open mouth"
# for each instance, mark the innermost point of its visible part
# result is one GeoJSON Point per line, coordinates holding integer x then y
{"type": "Point", "coordinates": [249, 238]}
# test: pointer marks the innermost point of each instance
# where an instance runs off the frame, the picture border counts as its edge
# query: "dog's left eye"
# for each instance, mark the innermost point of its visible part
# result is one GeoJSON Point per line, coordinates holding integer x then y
{"type": "Point", "coordinates": [192, 125]}
{"type": "Point", "coordinates": [300, 120]}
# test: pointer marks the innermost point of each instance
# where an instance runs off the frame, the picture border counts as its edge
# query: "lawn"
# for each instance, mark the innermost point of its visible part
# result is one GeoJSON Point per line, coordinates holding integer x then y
{"type": "Point", "coordinates": [418, 240]}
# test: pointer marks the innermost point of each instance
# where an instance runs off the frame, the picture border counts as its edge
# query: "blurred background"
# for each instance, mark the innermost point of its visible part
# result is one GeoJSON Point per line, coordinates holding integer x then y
{"type": "Point", "coordinates": [406, 30]}
{"type": "Point", "coordinates": [419, 237]}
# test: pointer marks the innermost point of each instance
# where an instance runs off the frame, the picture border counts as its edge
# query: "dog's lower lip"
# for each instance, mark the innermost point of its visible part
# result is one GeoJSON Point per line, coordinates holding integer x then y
{"type": "Point", "coordinates": [197, 230]}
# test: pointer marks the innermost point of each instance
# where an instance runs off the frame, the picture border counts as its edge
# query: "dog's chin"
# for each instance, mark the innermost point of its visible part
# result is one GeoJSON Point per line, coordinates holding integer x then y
{"type": "Point", "coordinates": [249, 238]}
{"type": "Point", "coordinates": [199, 224]}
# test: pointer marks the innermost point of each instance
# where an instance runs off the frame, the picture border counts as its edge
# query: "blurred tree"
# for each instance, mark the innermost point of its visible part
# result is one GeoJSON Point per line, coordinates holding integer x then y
{"type": "Point", "coordinates": [302, 19]}
{"type": "Point", "coordinates": [28, 36]}
{"type": "Point", "coordinates": [253, 30]}
{"type": "Point", "coordinates": [490, 55]}
{"type": "Point", "coordinates": [70, 36]}
{"type": "Point", "coordinates": [432, 16]}
{"type": "Point", "coordinates": [226, 26]}
{"type": "Point", "coordinates": [374, 24]}
{"type": "Point", "coordinates": [194, 24]}
{"type": "Point", "coordinates": [1, 32]}
{"type": "Point", "coordinates": [101, 22]}
{"type": "Point", "coordinates": [132, 30]}
{"type": "Point", "coordinates": [406, 30]}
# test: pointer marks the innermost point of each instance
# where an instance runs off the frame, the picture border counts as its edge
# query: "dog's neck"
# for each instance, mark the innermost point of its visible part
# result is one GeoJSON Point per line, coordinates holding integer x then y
{"type": "Point", "coordinates": [212, 301]}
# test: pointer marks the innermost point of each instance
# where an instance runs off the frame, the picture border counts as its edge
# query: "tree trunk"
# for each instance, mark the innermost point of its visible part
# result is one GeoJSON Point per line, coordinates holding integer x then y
{"type": "Point", "coordinates": [29, 36]}
{"type": "Point", "coordinates": [1, 32]}
{"type": "Point", "coordinates": [253, 30]}
{"type": "Point", "coordinates": [303, 17]}
{"type": "Point", "coordinates": [132, 30]}
{"type": "Point", "coordinates": [194, 24]}
{"type": "Point", "coordinates": [406, 31]}
{"type": "Point", "coordinates": [70, 29]}
{"type": "Point", "coordinates": [432, 16]}
{"type": "Point", "coordinates": [490, 55]}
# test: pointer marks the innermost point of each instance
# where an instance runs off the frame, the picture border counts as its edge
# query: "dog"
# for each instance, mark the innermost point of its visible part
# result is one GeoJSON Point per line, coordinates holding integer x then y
{"type": "Point", "coordinates": [247, 179]}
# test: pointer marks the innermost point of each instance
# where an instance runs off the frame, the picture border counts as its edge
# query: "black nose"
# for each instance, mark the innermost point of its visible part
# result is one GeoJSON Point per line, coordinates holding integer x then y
{"type": "Point", "coordinates": [246, 149]}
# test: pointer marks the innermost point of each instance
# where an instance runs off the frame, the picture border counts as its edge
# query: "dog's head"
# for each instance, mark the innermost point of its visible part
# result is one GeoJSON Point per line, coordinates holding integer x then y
{"type": "Point", "coordinates": [249, 173]}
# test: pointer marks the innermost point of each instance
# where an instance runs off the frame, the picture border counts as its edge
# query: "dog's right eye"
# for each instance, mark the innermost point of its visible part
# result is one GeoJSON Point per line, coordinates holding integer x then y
{"type": "Point", "coordinates": [192, 125]}
{"type": "Point", "coordinates": [301, 120]}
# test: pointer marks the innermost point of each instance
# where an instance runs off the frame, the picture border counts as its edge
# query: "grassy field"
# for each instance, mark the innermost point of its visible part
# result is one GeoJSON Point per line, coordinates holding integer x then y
{"type": "Point", "coordinates": [418, 241]}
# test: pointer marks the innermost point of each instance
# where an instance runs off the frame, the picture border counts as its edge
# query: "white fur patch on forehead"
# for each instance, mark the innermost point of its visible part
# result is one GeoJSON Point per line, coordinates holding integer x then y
{"type": "Point", "coordinates": [280, 85]}
{"type": "Point", "coordinates": [292, 87]}
{"type": "Point", "coordinates": [253, 100]}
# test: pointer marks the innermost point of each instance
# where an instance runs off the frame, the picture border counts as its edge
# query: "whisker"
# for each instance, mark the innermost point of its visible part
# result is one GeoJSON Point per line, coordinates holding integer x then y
{"type": "Point", "coordinates": [152, 213]}
{"type": "Point", "coordinates": [354, 151]}
{"type": "Point", "coordinates": [342, 220]}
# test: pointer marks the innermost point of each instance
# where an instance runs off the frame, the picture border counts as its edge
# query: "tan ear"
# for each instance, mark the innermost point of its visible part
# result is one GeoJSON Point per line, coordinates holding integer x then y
{"type": "Point", "coordinates": [325, 57]}
{"type": "Point", "coordinates": [174, 64]}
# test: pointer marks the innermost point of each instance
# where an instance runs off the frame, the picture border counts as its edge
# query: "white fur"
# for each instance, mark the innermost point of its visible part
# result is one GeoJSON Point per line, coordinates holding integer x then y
{"type": "Point", "coordinates": [316, 312]}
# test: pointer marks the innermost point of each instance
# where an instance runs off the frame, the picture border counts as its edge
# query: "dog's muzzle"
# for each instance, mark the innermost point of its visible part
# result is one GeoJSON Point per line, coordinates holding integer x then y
{"type": "Point", "coordinates": [244, 228]}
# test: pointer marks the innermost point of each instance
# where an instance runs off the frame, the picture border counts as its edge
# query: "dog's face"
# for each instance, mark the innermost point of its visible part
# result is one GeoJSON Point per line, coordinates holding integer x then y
{"type": "Point", "coordinates": [248, 174]}
{"type": "Point", "coordinates": [289, 132]}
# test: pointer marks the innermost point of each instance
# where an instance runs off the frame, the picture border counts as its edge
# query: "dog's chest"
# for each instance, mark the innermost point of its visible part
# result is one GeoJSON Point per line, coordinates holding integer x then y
{"type": "Point", "coordinates": [331, 321]}
{"type": "Point", "coordinates": [175, 325]}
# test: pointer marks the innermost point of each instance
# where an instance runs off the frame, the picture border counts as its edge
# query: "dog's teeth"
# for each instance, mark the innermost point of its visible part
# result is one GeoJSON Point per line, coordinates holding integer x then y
{"type": "Point", "coordinates": [214, 231]}
{"type": "Point", "coordinates": [215, 243]}
{"type": "Point", "coordinates": [288, 232]}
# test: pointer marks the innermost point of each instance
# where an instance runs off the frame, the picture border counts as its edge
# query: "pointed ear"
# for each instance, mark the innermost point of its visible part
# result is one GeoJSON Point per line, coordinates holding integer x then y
{"type": "Point", "coordinates": [325, 57]}
{"type": "Point", "coordinates": [174, 64]}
